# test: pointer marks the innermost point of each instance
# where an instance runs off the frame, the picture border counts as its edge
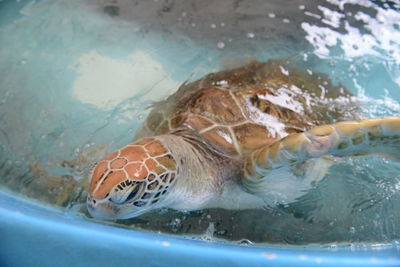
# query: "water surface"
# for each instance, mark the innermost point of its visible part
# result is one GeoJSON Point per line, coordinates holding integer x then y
{"type": "Point", "coordinates": [78, 76]}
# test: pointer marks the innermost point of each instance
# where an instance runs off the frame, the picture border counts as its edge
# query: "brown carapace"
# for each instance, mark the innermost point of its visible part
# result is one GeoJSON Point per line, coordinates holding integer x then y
{"type": "Point", "coordinates": [224, 134]}
{"type": "Point", "coordinates": [243, 109]}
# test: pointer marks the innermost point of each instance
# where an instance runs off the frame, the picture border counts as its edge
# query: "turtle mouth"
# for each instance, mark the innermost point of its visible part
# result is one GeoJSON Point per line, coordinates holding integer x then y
{"type": "Point", "coordinates": [102, 209]}
{"type": "Point", "coordinates": [107, 210]}
{"type": "Point", "coordinates": [135, 204]}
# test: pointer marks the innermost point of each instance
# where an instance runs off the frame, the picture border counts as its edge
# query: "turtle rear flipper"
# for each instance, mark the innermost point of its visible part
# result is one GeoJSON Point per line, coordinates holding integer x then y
{"type": "Point", "coordinates": [352, 138]}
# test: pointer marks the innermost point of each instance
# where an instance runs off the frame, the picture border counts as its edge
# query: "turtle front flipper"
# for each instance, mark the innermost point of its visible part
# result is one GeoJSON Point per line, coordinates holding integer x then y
{"type": "Point", "coordinates": [352, 138]}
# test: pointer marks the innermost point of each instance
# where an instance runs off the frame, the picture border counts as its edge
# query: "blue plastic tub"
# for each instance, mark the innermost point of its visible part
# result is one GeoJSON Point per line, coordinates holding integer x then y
{"type": "Point", "coordinates": [33, 235]}
{"type": "Point", "coordinates": [47, 52]}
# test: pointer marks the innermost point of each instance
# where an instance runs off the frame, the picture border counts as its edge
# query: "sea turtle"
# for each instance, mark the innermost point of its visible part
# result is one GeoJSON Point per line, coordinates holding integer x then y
{"type": "Point", "coordinates": [244, 138]}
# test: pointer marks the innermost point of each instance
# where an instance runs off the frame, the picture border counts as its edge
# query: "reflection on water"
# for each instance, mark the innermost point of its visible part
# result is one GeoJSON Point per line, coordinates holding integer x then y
{"type": "Point", "coordinates": [77, 78]}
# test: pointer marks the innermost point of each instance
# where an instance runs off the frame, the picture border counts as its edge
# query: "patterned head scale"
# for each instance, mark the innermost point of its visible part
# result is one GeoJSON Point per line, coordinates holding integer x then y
{"type": "Point", "coordinates": [131, 180]}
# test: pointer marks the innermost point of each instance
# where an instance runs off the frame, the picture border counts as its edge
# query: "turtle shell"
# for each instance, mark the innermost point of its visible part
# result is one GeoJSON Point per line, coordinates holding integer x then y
{"type": "Point", "coordinates": [239, 110]}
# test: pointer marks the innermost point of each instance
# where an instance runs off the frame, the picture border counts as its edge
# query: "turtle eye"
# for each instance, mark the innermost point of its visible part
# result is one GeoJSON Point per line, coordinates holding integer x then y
{"type": "Point", "coordinates": [133, 193]}
{"type": "Point", "coordinates": [120, 193]}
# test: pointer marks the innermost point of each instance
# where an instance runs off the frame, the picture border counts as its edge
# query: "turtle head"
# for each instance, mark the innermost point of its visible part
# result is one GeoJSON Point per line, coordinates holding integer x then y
{"type": "Point", "coordinates": [131, 181]}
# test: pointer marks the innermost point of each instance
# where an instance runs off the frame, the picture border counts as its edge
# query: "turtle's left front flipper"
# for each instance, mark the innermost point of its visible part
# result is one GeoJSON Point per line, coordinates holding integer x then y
{"type": "Point", "coordinates": [352, 138]}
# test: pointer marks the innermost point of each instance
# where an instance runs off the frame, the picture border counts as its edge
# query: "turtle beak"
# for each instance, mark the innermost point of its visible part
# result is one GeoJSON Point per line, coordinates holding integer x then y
{"type": "Point", "coordinates": [102, 209]}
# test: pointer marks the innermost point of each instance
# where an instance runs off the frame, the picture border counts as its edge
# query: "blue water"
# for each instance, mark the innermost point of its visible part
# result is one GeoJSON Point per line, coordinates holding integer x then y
{"type": "Point", "coordinates": [77, 78]}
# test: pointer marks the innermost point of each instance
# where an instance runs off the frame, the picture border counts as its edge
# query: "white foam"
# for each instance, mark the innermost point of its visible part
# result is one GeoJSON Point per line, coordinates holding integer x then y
{"type": "Point", "coordinates": [284, 98]}
{"type": "Point", "coordinates": [381, 39]}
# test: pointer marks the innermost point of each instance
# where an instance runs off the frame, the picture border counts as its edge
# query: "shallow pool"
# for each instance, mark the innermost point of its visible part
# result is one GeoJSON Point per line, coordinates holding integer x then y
{"type": "Point", "coordinates": [77, 78]}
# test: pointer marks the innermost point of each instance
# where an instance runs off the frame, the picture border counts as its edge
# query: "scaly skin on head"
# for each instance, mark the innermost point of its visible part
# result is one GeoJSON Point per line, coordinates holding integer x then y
{"type": "Point", "coordinates": [146, 175]}
{"type": "Point", "coordinates": [131, 180]}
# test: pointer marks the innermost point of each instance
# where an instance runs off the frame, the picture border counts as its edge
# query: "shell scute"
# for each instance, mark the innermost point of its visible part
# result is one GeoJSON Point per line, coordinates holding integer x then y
{"type": "Point", "coordinates": [218, 106]}
{"type": "Point", "coordinates": [251, 136]}
{"type": "Point", "coordinates": [222, 139]}
{"type": "Point", "coordinates": [154, 120]}
{"type": "Point", "coordinates": [198, 122]}
{"type": "Point", "coordinates": [178, 120]}
{"type": "Point", "coordinates": [239, 110]}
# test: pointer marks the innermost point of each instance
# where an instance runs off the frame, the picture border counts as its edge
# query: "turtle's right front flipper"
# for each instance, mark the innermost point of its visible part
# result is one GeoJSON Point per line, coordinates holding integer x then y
{"type": "Point", "coordinates": [353, 138]}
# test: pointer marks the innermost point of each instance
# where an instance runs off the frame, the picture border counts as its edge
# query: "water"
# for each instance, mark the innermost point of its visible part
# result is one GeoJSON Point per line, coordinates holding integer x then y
{"type": "Point", "coordinates": [78, 76]}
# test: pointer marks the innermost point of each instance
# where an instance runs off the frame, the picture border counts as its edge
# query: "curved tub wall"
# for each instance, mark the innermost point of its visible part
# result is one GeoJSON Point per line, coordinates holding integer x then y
{"type": "Point", "coordinates": [32, 234]}
{"type": "Point", "coordinates": [35, 235]}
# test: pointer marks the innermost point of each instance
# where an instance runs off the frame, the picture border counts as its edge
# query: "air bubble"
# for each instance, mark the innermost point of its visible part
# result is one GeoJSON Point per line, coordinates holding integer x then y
{"type": "Point", "coordinates": [175, 224]}
{"type": "Point", "coordinates": [222, 232]}
{"type": "Point", "coordinates": [250, 35]}
{"type": "Point", "coordinates": [3, 100]}
{"type": "Point", "coordinates": [397, 186]}
{"type": "Point", "coordinates": [271, 15]}
{"type": "Point", "coordinates": [213, 26]}
{"type": "Point", "coordinates": [220, 45]}
{"type": "Point", "coordinates": [209, 234]}
{"type": "Point", "coordinates": [245, 242]}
